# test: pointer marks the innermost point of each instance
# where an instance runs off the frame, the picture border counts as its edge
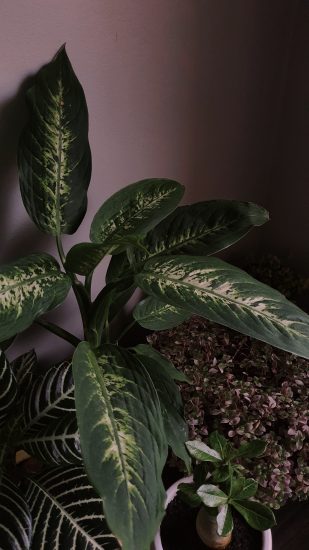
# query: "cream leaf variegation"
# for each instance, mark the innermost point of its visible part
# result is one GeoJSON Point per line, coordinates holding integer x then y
{"type": "Point", "coordinates": [153, 314]}
{"type": "Point", "coordinates": [15, 517]}
{"type": "Point", "coordinates": [28, 288]}
{"type": "Point", "coordinates": [122, 439]}
{"type": "Point", "coordinates": [54, 156]}
{"type": "Point", "coordinates": [227, 295]}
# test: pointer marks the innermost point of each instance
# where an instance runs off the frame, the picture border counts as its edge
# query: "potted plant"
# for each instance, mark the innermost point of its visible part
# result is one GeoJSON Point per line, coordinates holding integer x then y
{"type": "Point", "coordinates": [218, 488]}
{"type": "Point", "coordinates": [100, 425]}
{"type": "Point", "coordinates": [245, 389]}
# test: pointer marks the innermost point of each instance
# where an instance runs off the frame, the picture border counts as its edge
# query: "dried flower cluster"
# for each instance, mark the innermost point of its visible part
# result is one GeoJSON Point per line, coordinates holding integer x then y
{"type": "Point", "coordinates": [246, 389]}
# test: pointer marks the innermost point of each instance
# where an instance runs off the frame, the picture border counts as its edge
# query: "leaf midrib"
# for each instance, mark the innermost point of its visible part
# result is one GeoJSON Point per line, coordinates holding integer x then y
{"type": "Point", "coordinates": [244, 306]}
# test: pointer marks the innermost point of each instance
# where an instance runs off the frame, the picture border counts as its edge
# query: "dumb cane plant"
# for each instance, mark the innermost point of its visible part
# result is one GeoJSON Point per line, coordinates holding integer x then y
{"type": "Point", "coordinates": [101, 425]}
{"type": "Point", "coordinates": [219, 485]}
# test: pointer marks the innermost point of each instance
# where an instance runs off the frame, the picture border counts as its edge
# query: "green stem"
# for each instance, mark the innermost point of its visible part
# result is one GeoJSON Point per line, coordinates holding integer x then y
{"type": "Point", "coordinates": [127, 328]}
{"type": "Point", "coordinates": [61, 332]}
{"type": "Point", "coordinates": [88, 282]}
{"type": "Point", "coordinates": [76, 284]}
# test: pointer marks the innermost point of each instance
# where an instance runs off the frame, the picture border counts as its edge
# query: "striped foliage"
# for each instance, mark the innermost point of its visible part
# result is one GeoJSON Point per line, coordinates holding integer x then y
{"type": "Point", "coordinates": [24, 368]}
{"type": "Point", "coordinates": [57, 443]}
{"type": "Point", "coordinates": [227, 295]}
{"type": "Point", "coordinates": [54, 157]}
{"type": "Point", "coordinates": [8, 388]}
{"type": "Point", "coordinates": [49, 398]}
{"type": "Point", "coordinates": [28, 288]}
{"type": "Point", "coordinates": [67, 513]}
{"type": "Point", "coordinates": [122, 438]}
{"type": "Point", "coordinates": [15, 518]}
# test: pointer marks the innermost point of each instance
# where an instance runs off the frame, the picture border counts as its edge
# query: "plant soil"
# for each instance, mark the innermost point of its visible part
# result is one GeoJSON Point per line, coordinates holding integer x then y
{"type": "Point", "coordinates": [178, 530]}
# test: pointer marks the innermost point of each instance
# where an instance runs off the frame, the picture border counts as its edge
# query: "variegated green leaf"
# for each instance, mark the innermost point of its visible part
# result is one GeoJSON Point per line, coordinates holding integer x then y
{"type": "Point", "coordinates": [28, 288]}
{"type": "Point", "coordinates": [224, 520]}
{"type": "Point", "coordinates": [133, 211]}
{"type": "Point", "coordinates": [122, 440]}
{"type": "Point", "coordinates": [57, 443]}
{"type": "Point", "coordinates": [202, 228]}
{"type": "Point", "coordinates": [54, 157]}
{"type": "Point", "coordinates": [257, 515]}
{"type": "Point", "coordinates": [212, 496]}
{"type": "Point", "coordinates": [200, 451]}
{"type": "Point", "coordinates": [82, 258]}
{"type": "Point", "coordinates": [49, 398]}
{"type": "Point", "coordinates": [243, 488]}
{"type": "Point", "coordinates": [15, 518]}
{"type": "Point", "coordinates": [176, 429]}
{"type": "Point", "coordinates": [164, 366]}
{"type": "Point", "coordinates": [8, 388]}
{"type": "Point", "coordinates": [153, 314]}
{"type": "Point", "coordinates": [227, 295]}
{"type": "Point", "coordinates": [67, 512]}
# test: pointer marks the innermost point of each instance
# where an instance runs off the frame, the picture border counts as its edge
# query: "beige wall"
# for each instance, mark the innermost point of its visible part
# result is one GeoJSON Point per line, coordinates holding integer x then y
{"type": "Point", "coordinates": [202, 91]}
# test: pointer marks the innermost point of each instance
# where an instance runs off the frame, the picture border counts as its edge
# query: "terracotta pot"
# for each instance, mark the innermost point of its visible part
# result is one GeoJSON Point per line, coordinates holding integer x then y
{"type": "Point", "coordinates": [170, 495]}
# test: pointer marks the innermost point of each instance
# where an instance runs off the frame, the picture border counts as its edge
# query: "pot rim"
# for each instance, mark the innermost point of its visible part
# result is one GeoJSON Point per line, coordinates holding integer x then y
{"type": "Point", "coordinates": [170, 495]}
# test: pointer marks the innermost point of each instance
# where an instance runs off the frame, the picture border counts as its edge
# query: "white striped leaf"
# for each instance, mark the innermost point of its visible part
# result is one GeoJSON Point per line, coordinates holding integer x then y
{"type": "Point", "coordinates": [176, 429]}
{"type": "Point", "coordinates": [24, 368]}
{"type": "Point", "coordinates": [15, 518]}
{"type": "Point", "coordinates": [227, 295]}
{"type": "Point", "coordinates": [122, 440]}
{"type": "Point", "coordinates": [67, 512]}
{"type": "Point", "coordinates": [54, 157]}
{"type": "Point", "coordinates": [131, 212]}
{"type": "Point", "coordinates": [49, 398]}
{"type": "Point", "coordinates": [202, 228]}
{"type": "Point", "coordinates": [57, 443]}
{"type": "Point", "coordinates": [8, 388]}
{"type": "Point", "coordinates": [153, 314]}
{"type": "Point", "coordinates": [28, 288]}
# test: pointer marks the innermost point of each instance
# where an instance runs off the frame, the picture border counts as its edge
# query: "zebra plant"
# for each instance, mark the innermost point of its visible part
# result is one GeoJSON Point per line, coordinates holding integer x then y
{"type": "Point", "coordinates": [99, 426]}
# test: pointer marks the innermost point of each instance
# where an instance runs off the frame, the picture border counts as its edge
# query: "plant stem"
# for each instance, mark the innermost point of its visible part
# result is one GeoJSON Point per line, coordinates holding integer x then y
{"type": "Point", "coordinates": [61, 332]}
{"type": "Point", "coordinates": [88, 282]}
{"type": "Point", "coordinates": [76, 284]}
{"type": "Point", "coordinates": [126, 329]}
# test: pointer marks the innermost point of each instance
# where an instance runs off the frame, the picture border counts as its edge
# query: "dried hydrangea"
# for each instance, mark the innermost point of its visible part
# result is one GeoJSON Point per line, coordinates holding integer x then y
{"type": "Point", "coordinates": [246, 389]}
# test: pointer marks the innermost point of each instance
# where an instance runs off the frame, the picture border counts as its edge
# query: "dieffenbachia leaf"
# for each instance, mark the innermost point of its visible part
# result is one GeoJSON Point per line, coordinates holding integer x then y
{"type": "Point", "coordinates": [54, 157]}
{"type": "Point", "coordinates": [28, 288]}
{"type": "Point", "coordinates": [118, 267]}
{"type": "Point", "coordinates": [212, 496]}
{"type": "Point", "coordinates": [8, 388]}
{"type": "Point", "coordinates": [67, 512]}
{"type": "Point", "coordinates": [122, 440]}
{"type": "Point", "coordinates": [176, 429]}
{"type": "Point", "coordinates": [202, 228]}
{"type": "Point", "coordinates": [153, 314]}
{"type": "Point", "coordinates": [82, 258]}
{"type": "Point", "coordinates": [200, 451]}
{"type": "Point", "coordinates": [164, 366]}
{"type": "Point", "coordinates": [133, 211]}
{"type": "Point", "coordinates": [227, 295]}
{"type": "Point", "coordinates": [224, 520]}
{"type": "Point", "coordinates": [49, 398]}
{"type": "Point", "coordinates": [57, 443]}
{"type": "Point", "coordinates": [257, 515]}
{"type": "Point", "coordinates": [15, 518]}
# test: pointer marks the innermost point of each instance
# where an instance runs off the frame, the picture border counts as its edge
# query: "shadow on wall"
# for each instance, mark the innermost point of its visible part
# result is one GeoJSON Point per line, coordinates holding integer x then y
{"type": "Point", "coordinates": [19, 236]}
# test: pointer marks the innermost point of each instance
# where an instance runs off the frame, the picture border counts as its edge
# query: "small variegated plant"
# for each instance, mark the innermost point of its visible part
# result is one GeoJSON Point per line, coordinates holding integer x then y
{"type": "Point", "coordinates": [219, 486]}
{"type": "Point", "coordinates": [100, 426]}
